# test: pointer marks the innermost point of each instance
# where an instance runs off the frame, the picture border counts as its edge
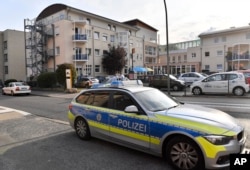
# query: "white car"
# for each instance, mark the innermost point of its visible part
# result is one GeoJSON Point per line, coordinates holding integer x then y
{"type": "Point", "coordinates": [15, 88]}
{"type": "Point", "coordinates": [226, 82]}
{"type": "Point", "coordinates": [191, 77]}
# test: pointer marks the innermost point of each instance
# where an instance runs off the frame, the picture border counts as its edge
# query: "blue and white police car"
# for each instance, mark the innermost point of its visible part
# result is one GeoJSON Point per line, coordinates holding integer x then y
{"type": "Point", "coordinates": [146, 119]}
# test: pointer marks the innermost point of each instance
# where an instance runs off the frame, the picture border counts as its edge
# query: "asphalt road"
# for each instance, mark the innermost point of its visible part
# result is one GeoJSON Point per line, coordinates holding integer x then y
{"type": "Point", "coordinates": [44, 139]}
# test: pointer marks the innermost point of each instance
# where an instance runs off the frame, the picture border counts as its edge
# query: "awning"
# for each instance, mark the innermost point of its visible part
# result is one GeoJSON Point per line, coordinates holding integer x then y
{"type": "Point", "coordinates": [149, 69]}
{"type": "Point", "coordinates": [139, 69]}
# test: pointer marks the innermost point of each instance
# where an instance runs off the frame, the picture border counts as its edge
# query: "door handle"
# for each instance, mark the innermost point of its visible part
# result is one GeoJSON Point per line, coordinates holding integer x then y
{"type": "Point", "coordinates": [113, 116]}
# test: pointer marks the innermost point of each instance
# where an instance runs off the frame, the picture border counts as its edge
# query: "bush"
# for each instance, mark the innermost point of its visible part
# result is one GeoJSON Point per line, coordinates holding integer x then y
{"type": "Point", "coordinates": [6, 82]}
{"type": "Point", "coordinates": [46, 80]}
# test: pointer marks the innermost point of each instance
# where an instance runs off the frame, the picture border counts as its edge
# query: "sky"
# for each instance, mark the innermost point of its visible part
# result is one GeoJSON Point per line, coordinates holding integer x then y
{"type": "Point", "coordinates": [186, 18]}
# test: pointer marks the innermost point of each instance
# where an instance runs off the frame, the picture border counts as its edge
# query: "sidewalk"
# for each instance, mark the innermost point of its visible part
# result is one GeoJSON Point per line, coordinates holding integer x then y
{"type": "Point", "coordinates": [9, 113]}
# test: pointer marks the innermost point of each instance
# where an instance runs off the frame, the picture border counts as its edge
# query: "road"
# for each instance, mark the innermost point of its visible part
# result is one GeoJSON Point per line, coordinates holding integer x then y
{"type": "Point", "coordinates": [44, 140]}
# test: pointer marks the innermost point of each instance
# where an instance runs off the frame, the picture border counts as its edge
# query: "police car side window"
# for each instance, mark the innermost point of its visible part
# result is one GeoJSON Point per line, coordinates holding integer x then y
{"type": "Point", "coordinates": [121, 101]}
{"type": "Point", "coordinates": [101, 99]}
{"type": "Point", "coordinates": [83, 98]}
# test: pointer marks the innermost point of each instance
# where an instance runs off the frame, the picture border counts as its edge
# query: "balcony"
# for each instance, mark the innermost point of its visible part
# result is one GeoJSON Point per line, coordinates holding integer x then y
{"type": "Point", "coordinates": [80, 38]}
{"type": "Point", "coordinates": [236, 57]}
{"type": "Point", "coordinates": [80, 57]}
{"type": "Point", "coordinates": [82, 22]}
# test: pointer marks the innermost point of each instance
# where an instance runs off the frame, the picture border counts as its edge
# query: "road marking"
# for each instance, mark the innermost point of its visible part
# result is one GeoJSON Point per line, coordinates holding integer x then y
{"type": "Point", "coordinates": [6, 110]}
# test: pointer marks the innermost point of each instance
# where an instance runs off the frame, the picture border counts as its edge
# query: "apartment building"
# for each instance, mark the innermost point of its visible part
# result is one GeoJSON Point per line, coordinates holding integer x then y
{"type": "Point", "coordinates": [12, 55]}
{"type": "Point", "coordinates": [62, 34]}
{"type": "Point", "coordinates": [215, 51]}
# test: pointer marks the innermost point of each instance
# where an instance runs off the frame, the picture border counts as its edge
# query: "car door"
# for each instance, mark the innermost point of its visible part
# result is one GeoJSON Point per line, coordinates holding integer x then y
{"type": "Point", "coordinates": [128, 128]}
{"type": "Point", "coordinates": [93, 106]}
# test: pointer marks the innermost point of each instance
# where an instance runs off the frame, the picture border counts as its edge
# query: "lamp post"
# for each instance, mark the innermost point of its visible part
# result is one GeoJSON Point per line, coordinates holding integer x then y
{"type": "Point", "coordinates": [168, 69]}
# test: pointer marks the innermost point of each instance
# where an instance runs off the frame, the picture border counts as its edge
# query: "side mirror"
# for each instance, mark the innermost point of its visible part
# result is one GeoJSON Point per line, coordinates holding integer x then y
{"type": "Point", "coordinates": [131, 109]}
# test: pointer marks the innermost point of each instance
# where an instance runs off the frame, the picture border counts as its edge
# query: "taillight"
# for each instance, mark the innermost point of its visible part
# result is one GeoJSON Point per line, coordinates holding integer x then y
{"type": "Point", "coordinates": [70, 106]}
{"type": "Point", "coordinates": [17, 88]}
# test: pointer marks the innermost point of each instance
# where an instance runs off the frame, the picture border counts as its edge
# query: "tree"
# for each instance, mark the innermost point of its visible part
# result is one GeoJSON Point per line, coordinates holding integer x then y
{"type": "Point", "coordinates": [61, 73]}
{"type": "Point", "coordinates": [114, 60]}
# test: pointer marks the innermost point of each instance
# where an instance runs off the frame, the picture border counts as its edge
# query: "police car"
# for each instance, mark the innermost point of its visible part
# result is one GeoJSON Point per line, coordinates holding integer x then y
{"type": "Point", "coordinates": [146, 119]}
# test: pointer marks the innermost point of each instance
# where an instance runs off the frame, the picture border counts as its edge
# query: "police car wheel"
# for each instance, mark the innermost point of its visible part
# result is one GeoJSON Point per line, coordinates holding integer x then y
{"type": "Point", "coordinates": [183, 153]}
{"type": "Point", "coordinates": [82, 129]}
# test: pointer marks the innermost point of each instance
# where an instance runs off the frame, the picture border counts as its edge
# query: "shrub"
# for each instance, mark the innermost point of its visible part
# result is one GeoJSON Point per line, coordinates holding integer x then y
{"type": "Point", "coordinates": [46, 80]}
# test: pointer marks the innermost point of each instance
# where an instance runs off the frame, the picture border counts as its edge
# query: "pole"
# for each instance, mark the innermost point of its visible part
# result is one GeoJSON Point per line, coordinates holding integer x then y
{"type": "Point", "coordinates": [168, 69]}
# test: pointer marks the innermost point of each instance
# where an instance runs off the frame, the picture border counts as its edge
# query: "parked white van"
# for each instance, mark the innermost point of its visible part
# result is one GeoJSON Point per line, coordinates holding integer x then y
{"type": "Point", "coordinates": [226, 82]}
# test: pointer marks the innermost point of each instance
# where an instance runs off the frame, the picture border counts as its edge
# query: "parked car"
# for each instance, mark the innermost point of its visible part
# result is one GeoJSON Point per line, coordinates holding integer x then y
{"type": "Point", "coordinates": [14, 88]}
{"type": "Point", "coordinates": [144, 118]}
{"type": "Point", "coordinates": [94, 80]}
{"type": "Point", "coordinates": [161, 81]}
{"type": "Point", "coordinates": [191, 77]}
{"type": "Point", "coordinates": [109, 80]}
{"type": "Point", "coordinates": [246, 74]}
{"type": "Point", "coordinates": [84, 82]}
{"type": "Point", "coordinates": [226, 82]}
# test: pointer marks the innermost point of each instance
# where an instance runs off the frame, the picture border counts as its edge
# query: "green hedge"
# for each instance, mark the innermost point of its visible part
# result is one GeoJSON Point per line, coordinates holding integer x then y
{"type": "Point", "coordinates": [47, 80]}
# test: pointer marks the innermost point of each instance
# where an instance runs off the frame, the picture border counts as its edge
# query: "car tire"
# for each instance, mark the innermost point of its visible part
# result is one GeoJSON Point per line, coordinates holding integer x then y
{"type": "Point", "coordinates": [197, 91]}
{"type": "Point", "coordinates": [238, 91]}
{"type": "Point", "coordinates": [175, 87]}
{"type": "Point", "coordinates": [184, 153]}
{"type": "Point", "coordinates": [82, 129]}
{"type": "Point", "coordinates": [3, 93]}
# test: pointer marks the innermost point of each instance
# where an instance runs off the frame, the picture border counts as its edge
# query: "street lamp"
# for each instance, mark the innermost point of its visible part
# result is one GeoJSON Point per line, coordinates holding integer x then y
{"type": "Point", "coordinates": [168, 69]}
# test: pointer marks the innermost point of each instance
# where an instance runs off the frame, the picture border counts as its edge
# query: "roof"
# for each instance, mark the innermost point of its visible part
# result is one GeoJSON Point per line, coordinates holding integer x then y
{"type": "Point", "coordinates": [137, 22]}
{"type": "Point", "coordinates": [232, 29]}
{"type": "Point", "coordinates": [54, 8]}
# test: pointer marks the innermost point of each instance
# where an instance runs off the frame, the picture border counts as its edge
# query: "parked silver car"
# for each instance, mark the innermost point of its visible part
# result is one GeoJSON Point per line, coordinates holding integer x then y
{"type": "Point", "coordinates": [191, 77]}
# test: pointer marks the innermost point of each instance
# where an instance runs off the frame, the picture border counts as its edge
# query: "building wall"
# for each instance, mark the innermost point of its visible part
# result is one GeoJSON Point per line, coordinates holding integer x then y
{"type": "Point", "coordinates": [16, 55]}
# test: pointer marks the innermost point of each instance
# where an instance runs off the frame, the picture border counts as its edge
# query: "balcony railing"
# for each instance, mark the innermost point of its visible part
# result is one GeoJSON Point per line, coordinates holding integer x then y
{"type": "Point", "coordinates": [80, 37]}
{"type": "Point", "coordinates": [236, 57]}
{"type": "Point", "coordinates": [80, 57]}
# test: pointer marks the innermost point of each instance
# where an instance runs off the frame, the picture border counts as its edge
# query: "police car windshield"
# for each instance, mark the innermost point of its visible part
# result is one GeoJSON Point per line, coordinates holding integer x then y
{"type": "Point", "coordinates": [155, 100]}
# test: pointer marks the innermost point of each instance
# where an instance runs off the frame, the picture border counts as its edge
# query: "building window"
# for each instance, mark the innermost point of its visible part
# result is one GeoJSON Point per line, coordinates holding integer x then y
{"type": "Point", "coordinates": [97, 52]}
{"type": "Point", "coordinates": [173, 59]}
{"type": "Point", "coordinates": [216, 40]}
{"type": "Point", "coordinates": [88, 69]}
{"type": "Point", "coordinates": [89, 33]}
{"type": "Point", "coordinates": [219, 67]}
{"type": "Point", "coordinates": [5, 45]}
{"type": "Point", "coordinates": [224, 39]}
{"type": "Point", "coordinates": [88, 21]}
{"type": "Point", "coordinates": [185, 58]}
{"type": "Point", "coordinates": [193, 55]}
{"type": "Point", "coordinates": [179, 59]}
{"type": "Point", "coordinates": [104, 38]}
{"type": "Point", "coordinates": [56, 31]}
{"type": "Point", "coordinates": [114, 28]}
{"type": "Point", "coordinates": [206, 54]}
{"type": "Point", "coordinates": [57, 51]}
{"type": "Point", "coordinates": [248, 35]}
{"type": "Point", "coordinates": [109, 27]}
{"type": "Point", "coordinates": [97, 68]}
{"type": "Point", "coordinates": [112, 38]}
{"type": "Point", "coordinates": [88, 51]}
{"type": "Point", "coordinates": [207, 67]}
{"type": "Point", "coordinates": [150, 50]}
{"type": "Point", "coordinates": [6, 70]}
{"type": "Point", "coordinates": [219, 53]}
{"type": "Point", "coordinates": [5, 57]}
{"type": "Point", "coordinates": [96, 35]}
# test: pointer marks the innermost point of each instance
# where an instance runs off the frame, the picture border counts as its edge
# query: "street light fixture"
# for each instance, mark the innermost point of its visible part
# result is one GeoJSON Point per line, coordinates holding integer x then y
{"type": "Point", "coordinates": [168, 69]}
